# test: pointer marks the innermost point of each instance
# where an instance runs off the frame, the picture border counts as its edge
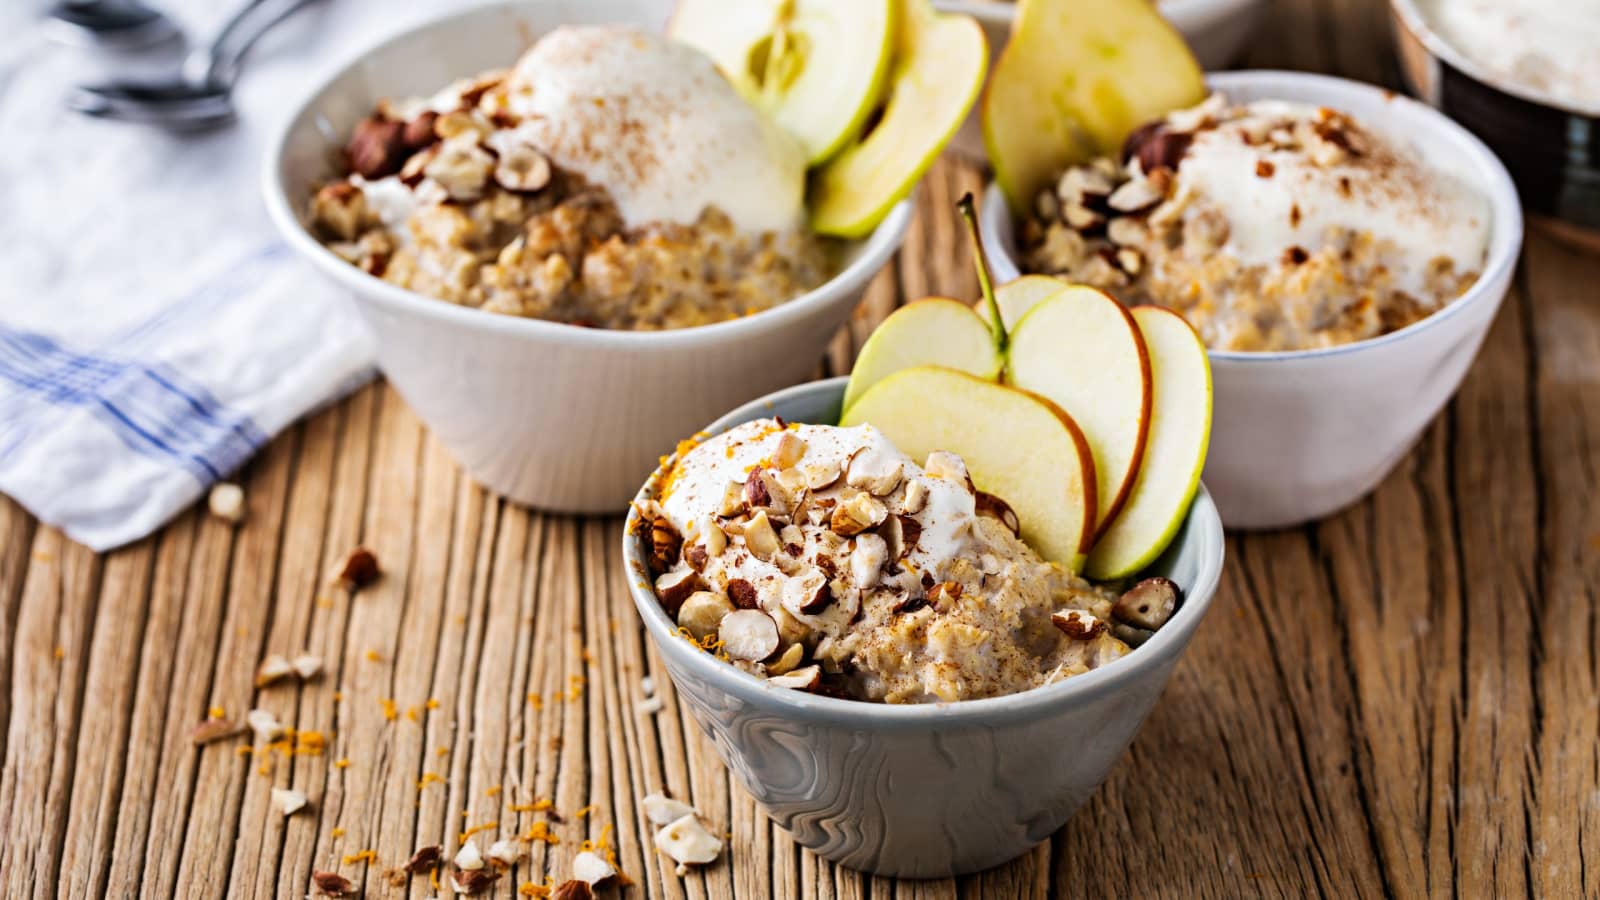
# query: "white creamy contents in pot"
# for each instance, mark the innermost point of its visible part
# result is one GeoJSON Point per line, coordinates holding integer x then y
{"type": "Point", "coordinates": [1550, 47]}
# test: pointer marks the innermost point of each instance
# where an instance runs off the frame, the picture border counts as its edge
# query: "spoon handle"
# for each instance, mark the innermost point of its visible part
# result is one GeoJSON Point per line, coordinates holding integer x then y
{"type": "Point", "coordinates": [218, 63]}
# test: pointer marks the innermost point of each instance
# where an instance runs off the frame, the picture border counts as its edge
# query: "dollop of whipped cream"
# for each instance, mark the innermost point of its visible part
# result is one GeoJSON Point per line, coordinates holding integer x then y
{"type": "Point", "coordinates": [701, 478]}
{"type": "Point", "coordinates": [654, 123]}
{"type": "Point", "coordinates": [1544, 46]}
{"type": "Point", "coordinates": [1288, 175]}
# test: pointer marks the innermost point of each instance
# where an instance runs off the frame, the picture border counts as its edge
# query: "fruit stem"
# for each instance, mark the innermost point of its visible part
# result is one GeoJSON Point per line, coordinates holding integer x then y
{"type": "Point", "coordinates": [997, 326]}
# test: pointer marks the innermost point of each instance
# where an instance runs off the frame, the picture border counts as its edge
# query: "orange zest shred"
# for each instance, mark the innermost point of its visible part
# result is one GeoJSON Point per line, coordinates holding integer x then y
{"type": "Point", "coordinates": [536, 700]}
{"type": "Point", "coordinates": [539, 831]}
{"type": "Point", "coordinates": [338, 833]}
{"type": "Point", "coordinates": [475, 829]}
{"type": "Point", "coordinates": [430, 778]}
{"type": "Point", "coordinates": [244, 751]}
{"type": "Point", "coordinates": [493, 791]}
{"type": "Point", "coordinates": [411, 713]}
{"type": "Point", "coordinates": [442, 751]}
{"type": "Point", "coordinates": [217, 712]}
{"type": "Point", "coordinates": [374, 656]}
{"type": "Point", "coordinates": [584, 813]}
{"type": "Point", "coordinates": [529, 889]}
{"type": "Point", "coordinates": [365, 856]}
{"type": "Point", "coordinates": [433, 703]}
{"type": "Point", "coordinates": [389, 711]}
{"type": "Point", "coordinates": [342, 762]}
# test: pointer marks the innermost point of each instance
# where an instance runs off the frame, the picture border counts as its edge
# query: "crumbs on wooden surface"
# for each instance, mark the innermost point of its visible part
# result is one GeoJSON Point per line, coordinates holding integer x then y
{"type": "Point", "coordinates": [364, 856]}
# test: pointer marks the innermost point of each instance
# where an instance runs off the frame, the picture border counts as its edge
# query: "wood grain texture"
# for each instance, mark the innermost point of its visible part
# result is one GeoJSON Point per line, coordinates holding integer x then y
{"type": "Point", "coordinates": [1403, 700]}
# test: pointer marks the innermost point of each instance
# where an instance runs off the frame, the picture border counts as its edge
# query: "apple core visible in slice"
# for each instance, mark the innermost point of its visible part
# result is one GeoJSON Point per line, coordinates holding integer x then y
{"type": "Point", "coordinates": [1017, 446]}
{"type": "Point", "coordinates": [1075, 79]}
{"type": "Point", "coordinates": [816, 66]}
{"type": "Point", "coordinates": [934, 331]}
{"type": "Point", "coordinates": [939, 63]}
{"type": "Point", "coordinates": [1175, 450]}
{"type": "Point", "coordinates": [1080, 349]}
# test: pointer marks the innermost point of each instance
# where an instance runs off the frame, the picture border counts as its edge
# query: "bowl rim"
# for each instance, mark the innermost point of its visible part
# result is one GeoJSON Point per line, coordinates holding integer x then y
{"type": "Point", "coordinates": [1411, 17]}
{"type": "Point", "coordinates": [874, 251]}
{"type": "Point", "coordinates": [1180, 13]}
{"type": "Point", "coordinates": [1506, 224]}
{"type": "Point", "coordinates": [1164, 648]}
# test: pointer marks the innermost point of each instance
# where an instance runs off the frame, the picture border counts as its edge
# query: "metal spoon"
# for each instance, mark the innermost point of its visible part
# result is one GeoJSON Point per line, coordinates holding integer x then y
{"type": "Point", "coordinates": [200, 96]}
{"type": "Point", "coordinates": [118, 24]}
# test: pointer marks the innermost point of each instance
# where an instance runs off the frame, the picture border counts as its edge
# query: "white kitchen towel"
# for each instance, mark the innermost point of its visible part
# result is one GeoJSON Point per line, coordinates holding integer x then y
{"type": "Point", "coordinates": [154, 330]}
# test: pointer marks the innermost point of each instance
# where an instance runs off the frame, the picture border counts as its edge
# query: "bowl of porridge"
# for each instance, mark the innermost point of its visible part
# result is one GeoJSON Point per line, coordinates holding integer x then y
{"type": "Point", "coordinates": [572, 259]}
{"type": "Point", "coordinates": [1341, 250]}
{"type": "Point", "coordinates": [1524, 76]}
{"type": "Point", "coordinates": [1217, 31]}
{"type": "Point", "coordinates": [880, 683]}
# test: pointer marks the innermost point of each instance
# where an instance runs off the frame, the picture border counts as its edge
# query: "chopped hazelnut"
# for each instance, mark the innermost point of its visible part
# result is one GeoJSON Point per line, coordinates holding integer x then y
{"type": "Point", "coordinates": [869, 556]}
{"type": "Point", "coordinates": [900, 534]}
{"type": "Point", "coordinates": [916, 495]}
{"type": "Point", "coordinates": [789, 450]}
{"type": "Point", "coordinates": [273, 668]}
{"type": "Point", "coordinates": [822, 474]}
{"type": "Point", "coordinates": [662, 810]}
{"type": "Point", "coordinates": [1134, 196]}
{"type": "Point", "coordinates": [265, 725]}
{"type": "Point", "coordinates": [1078, 625]}
{"type": "Point", "coordinates": [732, 499]}
{"type": "Point", "coordinates": [574, 888]}
{"type": "Point", "coordinates": [687, 842]}
{"type": "Point", "coordinates": [504, 851]}
{"type": "Point", "coordinates": [1082, 217]}
{"type": "Point", "coordinates": [226, 501]}
{"type": "Point", "coordinates": [288, 801]}
{"type": "Point", "coordinates": [874, 472]}
{"type": "Point", "coordinates": [944, 595]}
{"type": "Point", "coordinates": [591, 868]}
{"type": "Point", "coordinates": [743, 594]}
{"type": "Point", "coordinates": [212, 730]}
{"type": "Point", "coordinates": [306, 666]}
{"type": "Point", "coordinates": [713, 537]}
{"type": "Point", "coordinates": [523, 169]}
{"type": "Point", "coordinates": [1148, 604]}
{"type": "Point", "coordinates": [857, 514]}
{"type": "Point", "coordinates": [358, 569]}
{"type": "Point", "coordinates": [748, 634]}
{"type": "Point", "coordinates": [664, 544]}
{"type": "Point", "coordinates": [469, 857]}
{"type": "Point", "coordinates": [332, 884]}
{"type": "Point", "coordinates": [788, 661]}
{"type": "Point", "coordinates": [474, 881]}
{"type": "Point", "coordinates": [760, 538]}
{"type": "Point", "coordinates": [800, 679]}
{"type": "Point", "coordinates": [426, 859]}
{"type": "Point", "coordinates": [807, 594]}
{"type": "Point", "coordinates": [702, 612]}
{"type": "Point", "coordinates": [376, 147]}
{"type": "Point", "coordinates": [946, 465]}
{"type": "Point", "coordinates": [673, 588]}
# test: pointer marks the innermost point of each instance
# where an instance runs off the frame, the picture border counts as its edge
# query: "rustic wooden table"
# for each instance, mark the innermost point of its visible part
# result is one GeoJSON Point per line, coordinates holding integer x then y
{"type": "Point", "coordinates": [1397, 701]}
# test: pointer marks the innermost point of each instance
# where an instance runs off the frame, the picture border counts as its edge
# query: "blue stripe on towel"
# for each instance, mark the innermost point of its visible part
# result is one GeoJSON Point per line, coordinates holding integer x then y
{"type": "Point", "coordinates": [155, 409]}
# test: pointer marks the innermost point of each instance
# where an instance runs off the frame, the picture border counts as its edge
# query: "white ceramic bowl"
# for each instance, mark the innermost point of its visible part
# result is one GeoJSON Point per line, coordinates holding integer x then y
{"type": "Point", "coordinates": [560, 417]}
{"type": "Point", "coordinates": [1299, 435]}
{"type": "Point", "coordinates": [1217, 32]}
{"type": "Point", "coordinates": [928, 790]}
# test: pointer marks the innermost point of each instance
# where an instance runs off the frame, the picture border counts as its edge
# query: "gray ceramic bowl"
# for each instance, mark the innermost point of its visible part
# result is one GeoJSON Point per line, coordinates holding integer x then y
{"type": "Point", "coordinates": [936, 790]}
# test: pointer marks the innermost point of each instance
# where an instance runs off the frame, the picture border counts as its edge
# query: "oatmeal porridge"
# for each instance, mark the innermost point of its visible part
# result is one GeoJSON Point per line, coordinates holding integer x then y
{"type": "Point", "coordinates": [611, 178]}
{"type": "Point", "coordinates": [1270, 226]}
{"type": "Point", "coordinates": [824, 559]}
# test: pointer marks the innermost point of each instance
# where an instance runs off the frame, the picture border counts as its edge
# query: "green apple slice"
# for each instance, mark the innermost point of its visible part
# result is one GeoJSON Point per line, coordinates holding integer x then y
{"type": "Point", "coordinates": [1018, 446]}
{"type": "Point", "coordinates": [1174, 453]}
{"type": "Point", "coordinates": [938, 67]}
{"type": "Point", "coordinates": [816, 66]}
{"type": "Point", "coordinates": [1017, 296]}
{"type": "Point", "coordinates": [933, 331]}
{"type": "Point", "coordinates": [1075, 79]}
{"type": "Point", "coordinates": [1080, 349]}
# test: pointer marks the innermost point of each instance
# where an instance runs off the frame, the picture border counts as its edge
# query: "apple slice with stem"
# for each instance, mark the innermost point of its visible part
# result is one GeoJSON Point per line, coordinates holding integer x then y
{"type": "Point", "coordinates": [818, 67]}
{"type": "Point", "coordinates": [938, 68]}
{"type": "Point", "coordinates": [1018, 446]}
{"type": "Point", "coordinates": [1080, 349]}
{"type": "Point", "coordinates": [932, 331]}
{"type": "Point", "coordinates": [1175, 450]}
{"type": "Point", "coordinates": [1074, 80]}
{"type": "Point", "coordinates": [1017, 296]}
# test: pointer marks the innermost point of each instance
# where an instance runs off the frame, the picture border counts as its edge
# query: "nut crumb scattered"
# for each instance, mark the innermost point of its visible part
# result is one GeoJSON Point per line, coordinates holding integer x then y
{"type": "Point", "coordinates": [226, 502]}
{"type": "Point", "coordinates": [288, 801]}
{"type": "Point", "coordinates": [358, 569]}
{"type": "Point", "coordinates": [332, 884]}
